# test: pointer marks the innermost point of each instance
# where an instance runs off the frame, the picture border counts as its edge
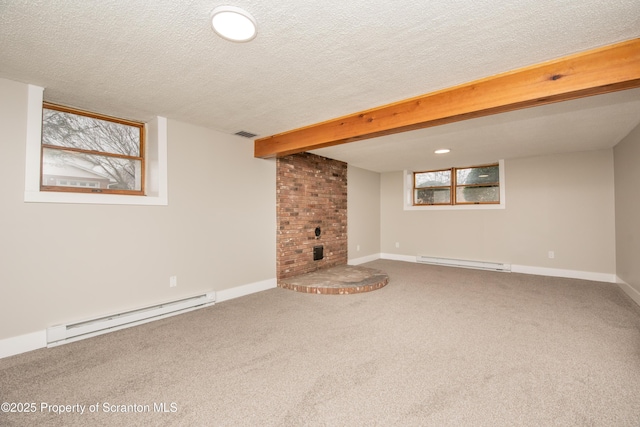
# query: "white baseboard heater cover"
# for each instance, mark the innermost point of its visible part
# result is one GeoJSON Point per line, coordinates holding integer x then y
{"type": "Point", "coordinates": [480, 265]}
{"type": "Point", "coordinates": [62, 334]}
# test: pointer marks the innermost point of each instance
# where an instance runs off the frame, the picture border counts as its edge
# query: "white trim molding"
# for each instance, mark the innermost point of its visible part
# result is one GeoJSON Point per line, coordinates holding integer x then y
{"type": "Point", "coordinates": [23, 343]}
{"type": "Point", "coordinates": [364, 259]}
{"type": "Point", "coordinates": [569, 274]}
{"type": "Point", "coordinates": [88, 328]}
{"type": "Point", "coordinates": [241, 291]}
{"type": "Point", "coordinates": [398, 257]}
{"type": "Point", "coordinates": [37, 340]}
{"type": "Point", "coordinates": [525, 269]}
{"type": "Point", "coordinates": [633, 293]}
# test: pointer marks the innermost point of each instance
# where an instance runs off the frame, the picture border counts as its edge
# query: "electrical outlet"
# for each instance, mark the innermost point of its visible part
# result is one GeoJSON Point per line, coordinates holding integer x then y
{"type": "Point", "coordinates": [552, 254]}
{"type": "Point", "coordinates": [397, 244]}
{"type": "Point", "coordinates": [358, 248]}
{"type": "Point", "coordinates": [173, 281]}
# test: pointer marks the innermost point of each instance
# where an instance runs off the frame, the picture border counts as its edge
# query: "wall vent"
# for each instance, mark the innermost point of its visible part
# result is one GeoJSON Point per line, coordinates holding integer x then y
{"type": "Point", "coordinates": [246, 134]}
{"type": "Point", "coordinates": [479, 265]}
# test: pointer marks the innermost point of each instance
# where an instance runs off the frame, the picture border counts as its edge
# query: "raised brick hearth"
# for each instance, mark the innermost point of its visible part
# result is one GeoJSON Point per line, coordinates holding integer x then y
{"type": "Point", "coordinates": [339, 280]}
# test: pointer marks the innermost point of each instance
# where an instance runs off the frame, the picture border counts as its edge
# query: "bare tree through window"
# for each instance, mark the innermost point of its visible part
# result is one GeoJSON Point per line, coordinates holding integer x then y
{"type": "Point", "coordinates": [90, 152]}
{"type": "Point", "coordinates": [457, 186]}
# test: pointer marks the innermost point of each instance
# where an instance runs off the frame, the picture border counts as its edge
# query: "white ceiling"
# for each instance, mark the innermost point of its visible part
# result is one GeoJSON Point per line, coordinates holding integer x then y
{"type": "Point", "coordinates": [313, 61]}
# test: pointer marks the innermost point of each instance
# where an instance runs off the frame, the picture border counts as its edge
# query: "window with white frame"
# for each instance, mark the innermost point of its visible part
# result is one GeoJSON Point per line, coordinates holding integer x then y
{"type": "Point", "coordinates": [133, 174]}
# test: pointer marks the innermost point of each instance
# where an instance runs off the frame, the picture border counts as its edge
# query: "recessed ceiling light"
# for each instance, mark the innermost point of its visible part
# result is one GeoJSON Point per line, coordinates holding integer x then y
{"type": "Point", "coordinates": [442, 151]}
{"type": "Point", "coordinates": [233, 24]}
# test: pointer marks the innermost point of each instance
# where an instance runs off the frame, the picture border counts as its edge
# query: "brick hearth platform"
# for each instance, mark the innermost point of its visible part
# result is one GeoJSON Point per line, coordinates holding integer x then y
{"type": "Point", "coordinates": [339, 280]}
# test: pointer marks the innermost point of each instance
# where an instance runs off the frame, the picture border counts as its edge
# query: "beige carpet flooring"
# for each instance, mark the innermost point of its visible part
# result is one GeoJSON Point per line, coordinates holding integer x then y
{"type": "Point", "coordinates": [437, 346]}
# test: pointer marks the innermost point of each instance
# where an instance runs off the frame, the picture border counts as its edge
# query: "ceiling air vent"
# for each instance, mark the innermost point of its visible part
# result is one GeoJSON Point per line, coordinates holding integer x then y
{"type": "Point", "coordinates": [246, 134]}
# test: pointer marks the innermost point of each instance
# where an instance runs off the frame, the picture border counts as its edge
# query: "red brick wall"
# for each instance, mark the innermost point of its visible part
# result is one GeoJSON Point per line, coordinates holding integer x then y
{"type": "Point", "coordinates": [311, 192]}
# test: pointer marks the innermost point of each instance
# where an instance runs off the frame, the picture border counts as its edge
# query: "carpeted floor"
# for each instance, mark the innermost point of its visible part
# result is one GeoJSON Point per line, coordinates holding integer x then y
{"type": "Point", "coordinates": [437, 346]}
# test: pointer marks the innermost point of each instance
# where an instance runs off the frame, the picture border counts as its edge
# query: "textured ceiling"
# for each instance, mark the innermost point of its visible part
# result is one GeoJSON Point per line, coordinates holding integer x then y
{"type": "Point", "coordinates": [311, 61]}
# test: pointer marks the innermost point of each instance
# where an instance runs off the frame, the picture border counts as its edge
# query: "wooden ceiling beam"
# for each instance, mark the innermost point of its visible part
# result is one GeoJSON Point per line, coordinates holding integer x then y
{"type": "Point", "coordinates": [603, 70]}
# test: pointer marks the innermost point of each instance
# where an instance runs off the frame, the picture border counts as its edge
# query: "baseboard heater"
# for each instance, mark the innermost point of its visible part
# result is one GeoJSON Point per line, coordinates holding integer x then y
{"type": "Point", "coordinates": [62, 334]}
{"type": "Point", "coordinates": [480, 265]}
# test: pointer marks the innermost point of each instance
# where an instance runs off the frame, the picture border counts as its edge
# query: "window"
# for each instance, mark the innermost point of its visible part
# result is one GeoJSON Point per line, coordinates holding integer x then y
{"type": "Point", "coordinates": [475, 185]}
{"type": "Point", "coordinates": [154, 191]}
{"type": "Point", "coordinates": [89, 152]}
{"type": "Point", "coordinates": [432, 188]}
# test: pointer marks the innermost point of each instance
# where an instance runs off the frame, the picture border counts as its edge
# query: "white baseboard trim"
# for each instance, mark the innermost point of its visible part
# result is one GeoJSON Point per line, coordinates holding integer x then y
{"type": "Point", "coordinates": [364, 259]}
{"type": "Point", "coordinates": [633, 293]}
{"type": "Point", "coordinates": [240, 291]}
{"type": "Point", "coordinates": [398, 257]}
{"type": "Point", "coordinates": [569, 274]}
{"type": "Point", "coordinates": [36, 340]}
{"type": "Point", "coordinates": [23, 343]}
{"type": "Point", "coordinates": [525, 269]}
{"type": "Point", "coordinates": [100, 325]}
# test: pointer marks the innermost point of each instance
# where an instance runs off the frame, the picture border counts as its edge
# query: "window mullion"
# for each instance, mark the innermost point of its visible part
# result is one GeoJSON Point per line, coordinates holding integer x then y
{"type": "Point", "coordinates": [93, 152]}
{"type": "Point", "coordinates": [484, 184]}
{"type": "Point", "coordinates": [454, 185]}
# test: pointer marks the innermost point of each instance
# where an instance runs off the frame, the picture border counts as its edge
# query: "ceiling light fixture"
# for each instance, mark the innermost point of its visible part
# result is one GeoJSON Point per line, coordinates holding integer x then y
{"type": "Point", "coordinates": [233, 24]}
{"type": "Point", "coordinates": [442, 151]}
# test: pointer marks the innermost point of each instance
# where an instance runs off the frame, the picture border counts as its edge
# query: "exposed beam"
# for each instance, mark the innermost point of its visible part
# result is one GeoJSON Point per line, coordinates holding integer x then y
{"type": "Point", "coordinates": [603, 70]}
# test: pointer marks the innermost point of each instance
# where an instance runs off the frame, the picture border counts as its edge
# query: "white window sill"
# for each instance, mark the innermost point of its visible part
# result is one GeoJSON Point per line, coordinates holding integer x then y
{"type": "Point", "coordinates": [96, 199]}
{"type": "Point", "coordinates": [454, 207]}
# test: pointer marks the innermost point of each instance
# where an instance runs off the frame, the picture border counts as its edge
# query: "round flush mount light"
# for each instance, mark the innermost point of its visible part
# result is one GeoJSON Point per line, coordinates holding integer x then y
{"type": "Point", "coordinates": [233, 24]}
{"type": "Point", "coordinates": [442, 151]}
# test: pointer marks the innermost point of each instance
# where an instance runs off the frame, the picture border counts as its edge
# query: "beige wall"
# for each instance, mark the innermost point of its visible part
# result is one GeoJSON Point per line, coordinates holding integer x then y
{"type": "Point", "coordinates": [363, 212]}
{"type": "Point", "coordinates": [563, 203]}
{"type": "Point", "coordinates": [67, 262]}
{"type": "Point", "coordinates": [627, 179]}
